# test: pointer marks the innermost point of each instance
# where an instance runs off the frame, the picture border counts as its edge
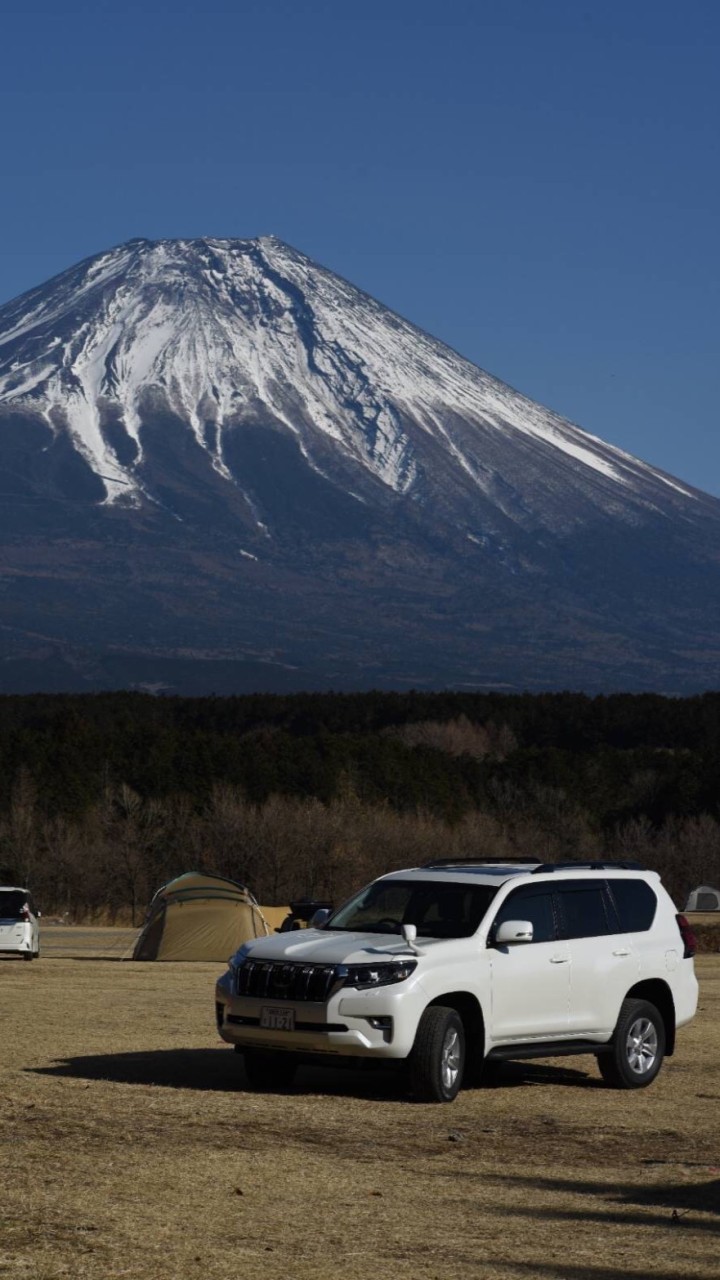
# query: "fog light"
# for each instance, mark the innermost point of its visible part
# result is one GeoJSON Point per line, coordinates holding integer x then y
{"type": "Point", "coordinates": [381, 1024]}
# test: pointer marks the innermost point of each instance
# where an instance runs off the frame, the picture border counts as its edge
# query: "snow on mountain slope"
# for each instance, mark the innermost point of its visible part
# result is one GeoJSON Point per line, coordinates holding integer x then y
{"type": "Point", "coordinates": [225, 468]}
{"type": "Point", "coordinates": [223, 330]}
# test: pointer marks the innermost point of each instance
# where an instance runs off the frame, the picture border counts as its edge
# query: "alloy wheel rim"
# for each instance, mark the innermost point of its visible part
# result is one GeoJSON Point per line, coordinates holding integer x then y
{"type": "Point", "coordinates": [641, 1046]}
{"type": "Point", "coordinates": [451, 1059]}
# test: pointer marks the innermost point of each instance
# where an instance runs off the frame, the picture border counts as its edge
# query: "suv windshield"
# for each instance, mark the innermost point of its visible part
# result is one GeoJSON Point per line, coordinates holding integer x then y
{"type": "Point", "coordinates": [437, 909]}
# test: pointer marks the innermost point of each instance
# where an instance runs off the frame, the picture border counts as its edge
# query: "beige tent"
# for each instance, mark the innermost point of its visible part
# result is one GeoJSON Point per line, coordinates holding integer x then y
{"type": "Point", "coordinates": [275, 917]}
{"type": "Point", "coordinates": [201, 917]}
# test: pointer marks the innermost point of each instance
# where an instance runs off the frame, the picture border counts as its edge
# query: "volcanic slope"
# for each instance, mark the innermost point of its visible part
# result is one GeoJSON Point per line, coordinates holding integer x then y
{"type": "Point", "coordinates": [226, 468]}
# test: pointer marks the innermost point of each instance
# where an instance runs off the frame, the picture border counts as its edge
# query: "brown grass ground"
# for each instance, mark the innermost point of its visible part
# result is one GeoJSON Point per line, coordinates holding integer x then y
{"type": "Point", "coordinates": [130, 1148]}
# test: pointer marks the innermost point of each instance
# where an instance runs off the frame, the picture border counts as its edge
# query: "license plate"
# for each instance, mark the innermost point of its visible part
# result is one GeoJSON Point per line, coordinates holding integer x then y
{"type": "Point", "coordinates": [277, 1019]}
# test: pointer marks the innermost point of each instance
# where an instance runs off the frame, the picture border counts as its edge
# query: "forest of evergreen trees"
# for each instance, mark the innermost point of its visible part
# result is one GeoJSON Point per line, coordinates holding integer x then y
{"type": "Point", "coordinates": [103, 797]}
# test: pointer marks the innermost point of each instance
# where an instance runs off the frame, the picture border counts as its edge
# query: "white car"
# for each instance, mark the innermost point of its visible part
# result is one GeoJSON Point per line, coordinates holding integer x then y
{"type": "Point", "coordinates": [449, 966]}
{"type": "Point", "coordinates": [19, 927]}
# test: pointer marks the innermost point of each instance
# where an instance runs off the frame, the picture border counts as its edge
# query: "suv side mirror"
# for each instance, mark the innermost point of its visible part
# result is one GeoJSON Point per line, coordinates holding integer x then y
{"type": "Point", "coordinates": [409, 933]}
{"type": "Point", "coordinates": [512, 931]}
{"type": "Point", "coordinates": [319, 918]}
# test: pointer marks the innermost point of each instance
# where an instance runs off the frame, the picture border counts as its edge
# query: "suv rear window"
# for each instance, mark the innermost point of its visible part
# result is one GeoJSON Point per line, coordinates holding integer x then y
{"type": "Point", "coordinates": [583, 910]}
{"type": "Point", "coordinates": [636, 904]}
{"type": "Point", "coordinates": [12, 902]}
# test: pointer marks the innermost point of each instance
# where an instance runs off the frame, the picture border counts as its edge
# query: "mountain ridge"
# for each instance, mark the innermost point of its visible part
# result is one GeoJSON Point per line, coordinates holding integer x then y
{"type": "Point", "coordinates": [322, 464]}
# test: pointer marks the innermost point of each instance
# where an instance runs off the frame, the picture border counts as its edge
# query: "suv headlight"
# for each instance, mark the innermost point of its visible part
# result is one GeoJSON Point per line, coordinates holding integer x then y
{"type": "Point", "coordinates": [365, 976]}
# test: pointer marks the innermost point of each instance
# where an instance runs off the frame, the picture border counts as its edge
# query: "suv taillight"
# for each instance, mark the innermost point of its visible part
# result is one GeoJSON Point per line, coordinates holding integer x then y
{"type": "Point", "coordinates": [688, 937]}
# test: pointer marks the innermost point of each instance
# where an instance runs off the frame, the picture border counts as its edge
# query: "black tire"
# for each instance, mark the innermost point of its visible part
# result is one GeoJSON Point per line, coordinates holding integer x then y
{"type": "Point", "coordinates": [28, 955]}
{"type": "Point", "coordinates": [437, 1061]}
{"type": "Point", "coordinates": [638, 1047]}
{"type": "Point", "coordinates": [268, 1072]}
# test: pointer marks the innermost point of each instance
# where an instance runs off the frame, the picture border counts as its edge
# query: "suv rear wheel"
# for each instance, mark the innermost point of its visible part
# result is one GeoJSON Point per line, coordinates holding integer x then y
{"type": "Point", "coordinates": [638, 1047]}
{"type": "Point", "coordinates": [437, 1060]}
{"type": "Point", "coordinates": [269, 1072]}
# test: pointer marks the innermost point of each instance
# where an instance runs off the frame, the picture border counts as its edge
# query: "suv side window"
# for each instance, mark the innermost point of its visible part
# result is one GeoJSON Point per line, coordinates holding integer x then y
{"type": "Point", "coordinates": [636, 904]}
{"type": "Point", "coordinates": [583, 909]}
{"type": "Point", "coordinates": [529, 903]}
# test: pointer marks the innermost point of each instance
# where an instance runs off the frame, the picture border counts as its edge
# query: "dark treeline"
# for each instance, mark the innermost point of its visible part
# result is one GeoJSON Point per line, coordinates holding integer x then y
{"type": "Point", "coordinates": [104, 796]}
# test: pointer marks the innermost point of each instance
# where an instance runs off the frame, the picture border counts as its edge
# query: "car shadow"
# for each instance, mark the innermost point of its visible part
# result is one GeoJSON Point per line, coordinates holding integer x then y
{"type": "Point", "coordinates": [204, 1069]}
{"type": "Point", "coordinates": [510, 1075]}
{"type": "Point", "coordinates": [220, 1070]}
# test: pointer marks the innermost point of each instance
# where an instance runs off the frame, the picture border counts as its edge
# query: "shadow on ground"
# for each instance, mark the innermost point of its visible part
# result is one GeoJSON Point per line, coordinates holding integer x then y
{"type": "Point", "coordinates": [570, 1272]}
{"type": "Point", "coordinates": [507, 1075]}
{"type": "Point", "coordinates": [217, 1069]}
{"type": "Point", "coordinates": [220, 1069]}
{"type": "Point", "coordinates": [675, 1205]}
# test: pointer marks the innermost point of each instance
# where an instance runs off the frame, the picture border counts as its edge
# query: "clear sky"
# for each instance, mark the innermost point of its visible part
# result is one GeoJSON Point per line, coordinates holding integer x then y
{"type": "Point", "coordinates": [536, 182]}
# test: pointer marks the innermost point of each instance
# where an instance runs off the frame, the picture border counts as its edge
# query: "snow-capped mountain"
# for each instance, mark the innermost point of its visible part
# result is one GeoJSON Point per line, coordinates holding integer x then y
{"type": "Point", "coordinates": [216, 451]}
{"type": "Point", "coordinates": [224, 329]}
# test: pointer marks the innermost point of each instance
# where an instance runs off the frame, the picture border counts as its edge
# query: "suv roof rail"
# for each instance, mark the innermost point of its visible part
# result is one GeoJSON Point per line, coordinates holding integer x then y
{"type": "Point", "coordinates": [479, 862]}
{"type": "Point", "coordinates": [600, 865]}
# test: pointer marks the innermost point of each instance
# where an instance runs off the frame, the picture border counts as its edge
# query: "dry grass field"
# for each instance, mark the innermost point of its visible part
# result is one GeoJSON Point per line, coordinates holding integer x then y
{"type": "Point", "coordinates": [132, 1149]}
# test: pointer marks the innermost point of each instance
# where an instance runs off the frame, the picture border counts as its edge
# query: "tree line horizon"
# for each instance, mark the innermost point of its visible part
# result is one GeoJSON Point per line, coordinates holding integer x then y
{"type": "Point", "coordinates": [104, 797]}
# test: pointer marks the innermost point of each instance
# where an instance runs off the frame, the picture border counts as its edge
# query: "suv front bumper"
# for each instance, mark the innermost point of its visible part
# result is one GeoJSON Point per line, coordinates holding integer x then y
{"type": "Point", "coordinates": [377, 1024]}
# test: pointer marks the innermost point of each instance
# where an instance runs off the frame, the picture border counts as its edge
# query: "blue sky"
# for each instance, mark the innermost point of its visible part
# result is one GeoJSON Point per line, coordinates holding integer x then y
{"type": "Point", "coordinates": [536, 182]}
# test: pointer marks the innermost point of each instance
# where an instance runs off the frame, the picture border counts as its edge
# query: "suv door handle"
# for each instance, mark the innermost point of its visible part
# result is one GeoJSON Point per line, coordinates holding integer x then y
{"type": "Point", "coordinates": [622, 951]}
{"type": "Point", "coordinates": [559, 959]}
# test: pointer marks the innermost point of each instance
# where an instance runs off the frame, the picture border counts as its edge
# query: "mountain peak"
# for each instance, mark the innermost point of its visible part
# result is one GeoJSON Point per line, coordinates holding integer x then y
{"type": "Point", "coordinates": [222, 330]}
{"type": "Point", "coordinates": [229, 452]}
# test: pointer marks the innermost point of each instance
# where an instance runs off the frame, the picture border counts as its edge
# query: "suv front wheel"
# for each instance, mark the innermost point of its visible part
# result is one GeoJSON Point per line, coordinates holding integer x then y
{"type": "Point", "coordinates": [638, 1047]}
{"type": "Point", "coordinates": [437, 1060]}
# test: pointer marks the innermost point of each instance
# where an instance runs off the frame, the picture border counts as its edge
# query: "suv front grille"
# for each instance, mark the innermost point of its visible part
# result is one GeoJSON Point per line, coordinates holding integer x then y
{"type": "Point", "coordinates": [276, 980]}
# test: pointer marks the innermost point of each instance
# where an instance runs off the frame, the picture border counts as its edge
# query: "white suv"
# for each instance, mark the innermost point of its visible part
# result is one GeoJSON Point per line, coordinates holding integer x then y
{"type": "Point", "coordinates": [19, 928]}
{"type": "Point", "coordinates": [452, 965]}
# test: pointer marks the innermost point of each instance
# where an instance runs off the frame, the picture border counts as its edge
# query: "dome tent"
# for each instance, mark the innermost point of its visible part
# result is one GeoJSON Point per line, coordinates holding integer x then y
{"type": "Point", "coordinates": [199, 917]}
{"type": "Point", "coordinates": [704, 898]}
